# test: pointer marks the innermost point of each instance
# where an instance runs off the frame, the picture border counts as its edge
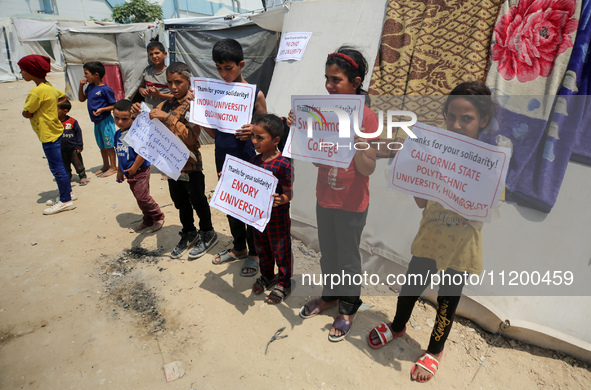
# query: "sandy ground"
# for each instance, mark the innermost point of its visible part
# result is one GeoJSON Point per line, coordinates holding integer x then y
{"type": "Point", "coordinates": [79, 310]}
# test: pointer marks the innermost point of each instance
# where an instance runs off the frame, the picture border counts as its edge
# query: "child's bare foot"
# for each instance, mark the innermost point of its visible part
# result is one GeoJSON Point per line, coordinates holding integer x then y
{"type": "Point", "coordinates": [157, 225]}
{"type": "Point", "coordinates": [101, 171]}
{"type": "Point", "coordinates": [109, 172]}
{"type": "Point", "coordinates": [140, 227]}
{"type": "Point", "coordinates": [426, 367]}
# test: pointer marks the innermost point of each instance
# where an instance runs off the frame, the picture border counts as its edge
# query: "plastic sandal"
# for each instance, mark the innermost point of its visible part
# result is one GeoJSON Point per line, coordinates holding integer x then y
{"type": "Point", "coordinates": [385, 334]}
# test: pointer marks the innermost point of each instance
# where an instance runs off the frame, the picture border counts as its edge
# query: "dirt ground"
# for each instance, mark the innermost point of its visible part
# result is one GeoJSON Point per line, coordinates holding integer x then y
{"type": "Point", "coordinates": [86, 303]}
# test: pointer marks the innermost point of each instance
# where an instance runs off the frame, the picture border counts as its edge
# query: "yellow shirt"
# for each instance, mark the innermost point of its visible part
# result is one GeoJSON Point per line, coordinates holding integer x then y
{"type": "Point", "coordinates": [42, 103]}
{"type": "Point", "coordinates": [449, 239]}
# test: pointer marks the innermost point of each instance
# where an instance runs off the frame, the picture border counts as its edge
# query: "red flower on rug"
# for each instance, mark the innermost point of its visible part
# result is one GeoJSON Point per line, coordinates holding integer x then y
{"type": "Point", "coordinates": [530, 37]}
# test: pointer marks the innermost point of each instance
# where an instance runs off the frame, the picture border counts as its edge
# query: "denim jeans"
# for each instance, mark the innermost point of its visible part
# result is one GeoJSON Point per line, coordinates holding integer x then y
{"type": "Point", "coordinates": [53, 152]}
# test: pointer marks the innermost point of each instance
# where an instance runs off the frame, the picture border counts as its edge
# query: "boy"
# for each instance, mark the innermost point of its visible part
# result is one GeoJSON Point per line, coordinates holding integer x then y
{"type": "Point", "coordinates": [188, 192]}
{"type": "Point", "coordinates": [154, 86]}
{"type": "Point", "coordinates": [71, 143]}
{"type": "Point", "coordinates": [136, 169]}
{"type": "Point", "coordinates": [41, 108]}
{"type": "Point", "coordinates": [229, 61]}
{"type": "Point", "coordinates": [101, 99]}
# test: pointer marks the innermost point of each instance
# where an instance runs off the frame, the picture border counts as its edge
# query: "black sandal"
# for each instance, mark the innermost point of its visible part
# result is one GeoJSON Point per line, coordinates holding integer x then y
{"type": "Point", "coordinates": [264, 283]}
{"type": "Point", "coordinates": [280, 292]}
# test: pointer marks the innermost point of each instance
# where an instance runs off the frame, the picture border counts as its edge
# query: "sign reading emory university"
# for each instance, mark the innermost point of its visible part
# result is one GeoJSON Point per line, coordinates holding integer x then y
{"type": "Point", "coordinates": [324, 128]}
{"type": "Point", "coordinates": [220, 105]}
{"type": "Point", "coordinates": [461, 173]}
{"type": "Point", "coordinates": [245, 192]}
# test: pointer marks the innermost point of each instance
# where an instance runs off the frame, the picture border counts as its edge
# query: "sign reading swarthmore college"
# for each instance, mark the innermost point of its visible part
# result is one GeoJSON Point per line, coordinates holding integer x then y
{"type": "Point", "coordinates": [245, 192]}
{"type": "Point", "coordinates": [461, 173]}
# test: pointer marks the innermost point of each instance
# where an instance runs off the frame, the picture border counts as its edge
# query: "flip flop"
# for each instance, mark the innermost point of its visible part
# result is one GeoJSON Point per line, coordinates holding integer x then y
{"type": "Point", "coordinates": [250, 262]}
{"type": "Point", "coordinates": [427, 362]}
{"type": "Point", "coordinates": [84, 182]}
{"type": "Point", "coordinates": [385, 334]}
{"type": "Point", "coordinates": [342, 325]}
{"type": "Point", "coordinates": [281, 292]}
{"type": "Point", "coordinates": [226, 256]}
{"type": "Point", "coordinates": [313, 310]}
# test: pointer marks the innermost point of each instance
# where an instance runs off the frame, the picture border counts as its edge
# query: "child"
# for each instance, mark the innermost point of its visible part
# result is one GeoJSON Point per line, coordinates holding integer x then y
{"type": "Point", "coordinates": [72, 143]}
{"type": "Point", "coordinates": [136, 169]}
{"type": "Point", "coordinates": [41, 108]}
{"type": "Point", "coordinates": [454, 245]}
{"type": "Point", "coordinates": [101, 99]}
{"type": "Point", "coordinates": [273, 245]}
{"type": "Point", "coordinates": [188, 192]}
{"type": "Point", "coordinates": [343, 200]}
{"type": "Point", "coordinates": [229, 61]}
{"type": "Point", "coordinates": [154, 86]}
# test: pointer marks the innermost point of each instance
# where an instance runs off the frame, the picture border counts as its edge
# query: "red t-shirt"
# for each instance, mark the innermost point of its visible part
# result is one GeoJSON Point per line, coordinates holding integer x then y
{"type": "Point", "coordinates": [346, 189]}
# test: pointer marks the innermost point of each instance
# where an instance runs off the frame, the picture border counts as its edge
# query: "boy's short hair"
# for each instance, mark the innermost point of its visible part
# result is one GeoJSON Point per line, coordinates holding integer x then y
{"type": "Point", "coordinates": [65, 105]}
{"type": "Point", "coordinates": [123, 105]}
{"type": "Point", "coordinates": [180, 68]}
{"type": "Point", "coordinates": [227, 50]}
{"type": "Point", "coordinates": [156, 45]}
{"type": "Point", "coordinates": [95, 67]}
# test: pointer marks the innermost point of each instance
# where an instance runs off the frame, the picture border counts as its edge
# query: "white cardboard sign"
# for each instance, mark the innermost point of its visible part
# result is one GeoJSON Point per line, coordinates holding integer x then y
{"type": "Point", "coordinates": [292, 46]}
{"type": "Point", "coordinates": [157, 144]}
{"type": "Point", "coordinates": [220, 105]}
{"type": "Point", "coordinates": [245, 192]}
{"type": "Point", "coordinates": [326, 146]}
{"type": "Point", "coordinates": [461, 173]}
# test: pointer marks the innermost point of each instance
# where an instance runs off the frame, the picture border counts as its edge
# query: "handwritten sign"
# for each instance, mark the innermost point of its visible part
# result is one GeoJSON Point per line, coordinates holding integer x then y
{"type": "Point", "coordinates": [292, 46]}
{"type": "Point", "coordinates": [220, 105]}
{"type": "Point", "coordinates": [245, 192]}
{"type": "Point", "coordinates": [154, 142]}
{"type": "Point", "coordinates": [329, 143]}
{"type": "Point", "coordinates": [461, 173]}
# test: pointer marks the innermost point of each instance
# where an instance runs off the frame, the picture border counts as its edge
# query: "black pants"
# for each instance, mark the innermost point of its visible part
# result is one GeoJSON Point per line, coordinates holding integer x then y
{"type": "Point", "coordinates": [188, 196]}
{"type": "Point", "coordinates": [447, 301]}
{"type": "Point", "coordinates": [339, 236]}
{"type": "Point", "coordinates": [72, 157]}
{"type": "Point", "coordinates": [242, 233]}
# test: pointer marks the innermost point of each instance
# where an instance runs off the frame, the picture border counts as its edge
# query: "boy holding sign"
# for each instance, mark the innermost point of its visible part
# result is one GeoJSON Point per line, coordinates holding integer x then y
{"type": "Point", "coordinates": [188, 192]}
{"type": "Point", "coordinates": [135, 169]}
{"type": "Point", "coordinates": [273, 245]}
{"type": "Point", "coordinates": [229, 61]}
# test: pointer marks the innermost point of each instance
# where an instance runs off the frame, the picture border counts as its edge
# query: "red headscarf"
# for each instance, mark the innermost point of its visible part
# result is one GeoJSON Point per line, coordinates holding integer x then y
{"type": "Point", "coordinates": [35, 65]}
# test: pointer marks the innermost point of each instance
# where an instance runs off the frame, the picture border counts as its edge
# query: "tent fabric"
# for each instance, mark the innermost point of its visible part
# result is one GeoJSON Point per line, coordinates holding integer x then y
{"type": "Point", "coordinates": [271, 20]}
{"type": "Point", "coordinates": [36, 30]}
{"type": "Point", "coordinates": [207, 23]}
{"type": "Point", "coordinates": [131, 51]}
{"type": "Point", "coordinates": [114, 80]}
{"type": "Point", "coordinates": [541, 150]}
{"type": "Point", "coordinates": [79, 48]}
{"type": "Point", "coordinates": [259, 46]}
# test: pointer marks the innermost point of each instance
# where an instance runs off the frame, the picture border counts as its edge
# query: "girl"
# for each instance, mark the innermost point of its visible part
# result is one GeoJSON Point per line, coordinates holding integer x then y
{"type": "Point", "coordinates": [273, 245]}
{"type": "Point", "coordinates": [467, 111]}
{"type": "Point", "coordinates": [342, 202]}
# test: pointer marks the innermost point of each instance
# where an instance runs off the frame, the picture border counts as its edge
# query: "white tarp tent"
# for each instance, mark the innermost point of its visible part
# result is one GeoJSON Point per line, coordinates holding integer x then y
{"type": "Point", "coordinates": [123, 46]}
{"type": "Point", "coordinates": [517, 235]}
{"type": "Point", "coordinates": [30, 34]}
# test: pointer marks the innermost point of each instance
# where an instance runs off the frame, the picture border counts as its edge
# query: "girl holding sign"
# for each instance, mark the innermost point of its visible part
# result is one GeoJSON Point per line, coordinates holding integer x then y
{"type": "Point", "coordinates": [342, 203]}
{"type": "Point", "coordinates": [445, 242]}
{"type": "Point", "coordinates": [273, 245]}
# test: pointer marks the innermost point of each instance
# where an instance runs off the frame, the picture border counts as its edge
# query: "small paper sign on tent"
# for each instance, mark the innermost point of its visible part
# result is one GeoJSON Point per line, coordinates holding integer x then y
{"type": "Point", "coordinates": [220, 105]}
{"type": "Point", "coordinates": [292, 46]}
{"type": "Point", "coordinates": [331, 142]}
{"type": "Point", "coordinates": [154, 142]}
{"type": "Point", "coordinates": [461, 173]}
{"type": "Point", "coordinates": [245, 192]}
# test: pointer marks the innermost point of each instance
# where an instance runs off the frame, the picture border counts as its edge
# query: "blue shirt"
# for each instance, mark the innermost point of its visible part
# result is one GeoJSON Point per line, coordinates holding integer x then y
{"type": "Point", "coordinates": [99, 97]}
{"type": "Point", "coordinates": [125, 153]}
